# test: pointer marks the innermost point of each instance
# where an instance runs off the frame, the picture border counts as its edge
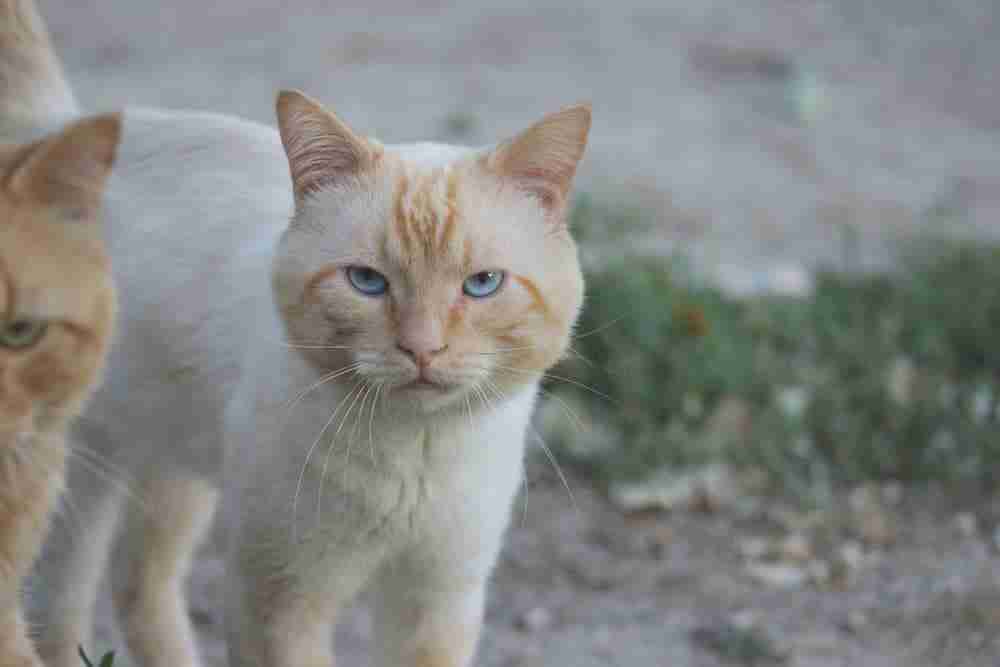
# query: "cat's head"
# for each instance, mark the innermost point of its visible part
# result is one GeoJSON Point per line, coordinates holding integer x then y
{"type": "Point", "coordinates": [437, 273]}
{"type": "Point", "coordinates": [57, 301]}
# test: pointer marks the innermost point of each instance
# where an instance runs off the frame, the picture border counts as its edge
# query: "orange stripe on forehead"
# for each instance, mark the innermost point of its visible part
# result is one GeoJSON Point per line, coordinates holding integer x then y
{"type": "Point", "coordinates": [400, 220]}
{"type": "Point", "coordinates": [423, 215]}
{"type": "Point", "coordinates": [451, 215]}
{"type": "Point", "coordinates": [426, 212]}
{"type": "Point", "coordinates": [538, 301]}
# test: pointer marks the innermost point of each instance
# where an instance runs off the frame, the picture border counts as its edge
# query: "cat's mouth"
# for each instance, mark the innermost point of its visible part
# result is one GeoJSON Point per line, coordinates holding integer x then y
{"type": "Point", "coordinates": [425, 384]}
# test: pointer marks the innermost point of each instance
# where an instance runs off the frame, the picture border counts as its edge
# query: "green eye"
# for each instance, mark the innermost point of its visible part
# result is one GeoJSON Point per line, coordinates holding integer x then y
{"type": "Point", "coordinates": [20, 334]}
{"type": "Point", "coordinates": [483, 284]}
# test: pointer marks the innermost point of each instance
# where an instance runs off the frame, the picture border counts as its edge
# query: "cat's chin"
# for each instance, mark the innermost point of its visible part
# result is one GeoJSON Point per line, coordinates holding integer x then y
{"type": "Point", "coordinates": [426, 396]}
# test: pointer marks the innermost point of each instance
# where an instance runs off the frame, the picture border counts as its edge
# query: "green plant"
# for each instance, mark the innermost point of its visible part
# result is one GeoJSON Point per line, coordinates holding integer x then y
{"type": "Point", "coordinates": [107, 661]}
{"type": "Point", "coordinates": [893, 375]}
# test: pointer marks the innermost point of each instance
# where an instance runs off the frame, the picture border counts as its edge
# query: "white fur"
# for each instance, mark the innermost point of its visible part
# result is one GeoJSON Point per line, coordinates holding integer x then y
{"type": "Point", "coordinates": [196, 208]}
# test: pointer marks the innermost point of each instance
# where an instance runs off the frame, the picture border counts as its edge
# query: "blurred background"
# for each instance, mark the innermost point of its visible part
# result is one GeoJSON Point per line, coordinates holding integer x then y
{"type": "Point", "coordinates": [776, 438]}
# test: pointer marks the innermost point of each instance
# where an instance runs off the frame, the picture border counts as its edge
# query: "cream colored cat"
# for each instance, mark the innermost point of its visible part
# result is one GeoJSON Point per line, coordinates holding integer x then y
{"type": "Point", "coordinates": [57, 301]}
{"type": "Point", "coordinates": [366, 340]}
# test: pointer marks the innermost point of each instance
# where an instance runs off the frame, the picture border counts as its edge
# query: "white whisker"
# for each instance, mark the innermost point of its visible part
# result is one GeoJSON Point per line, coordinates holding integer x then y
{"type": "Point", "coordinates": [560, 378]}
{"type": "Point", "coordinates": [326, 460]}
{"type": "Point", "coordinates": [371, 423]}
{"type": "Point", "coordinates": [556, 467]}
{"type": "Point", "coordinates": [305, 465]}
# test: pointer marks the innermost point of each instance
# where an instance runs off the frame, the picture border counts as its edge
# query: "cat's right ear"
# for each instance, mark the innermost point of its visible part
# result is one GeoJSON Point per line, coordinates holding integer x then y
{"type": "Point", "coordinates": [541, 161]}
{"type": "Point", "coordinates": [69, 170]}
{"type": "Point", "coordinates": [321, 149]}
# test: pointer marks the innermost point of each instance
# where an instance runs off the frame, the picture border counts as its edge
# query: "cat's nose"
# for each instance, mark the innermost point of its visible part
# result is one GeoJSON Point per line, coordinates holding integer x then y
{"type": "Point", "coordinates": [422, 355]}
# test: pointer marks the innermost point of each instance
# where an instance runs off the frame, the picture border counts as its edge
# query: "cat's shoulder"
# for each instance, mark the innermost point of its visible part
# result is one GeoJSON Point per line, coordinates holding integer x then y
{"type": "Point", "coordinates": [166, 132]}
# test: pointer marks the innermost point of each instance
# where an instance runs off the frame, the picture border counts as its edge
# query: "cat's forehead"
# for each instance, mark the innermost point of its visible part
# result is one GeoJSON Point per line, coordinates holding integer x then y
{"type": "Point", "coordinates": [47, 275]}
{"type": "Point", "coordinates": [425, 225]}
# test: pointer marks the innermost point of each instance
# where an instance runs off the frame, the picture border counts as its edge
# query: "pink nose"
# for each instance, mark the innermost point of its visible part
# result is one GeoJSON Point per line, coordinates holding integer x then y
{"type": "Point", "coordinates": [421, 356]}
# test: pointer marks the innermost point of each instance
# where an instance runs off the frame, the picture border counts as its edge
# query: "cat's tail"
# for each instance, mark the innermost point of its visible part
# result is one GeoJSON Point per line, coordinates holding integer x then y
{"type": "Point", "coordinates": [33, 88]}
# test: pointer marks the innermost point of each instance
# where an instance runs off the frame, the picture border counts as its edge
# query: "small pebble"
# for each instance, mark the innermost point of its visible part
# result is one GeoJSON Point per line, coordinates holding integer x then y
{"type": "Point", "coordinates": [536, 619]}
{"type": "Point", "coordinates": [796, 548]}
{"type": "Point", "coordinates": [851, 554]}
{"type": "Point", "coordinates": [892, 493]}
{"type": "Point", "coordinates": [754, 548]}
{"type": "Point", "coordinates": [778, 576]}
{"type": "Point", "coordinates": [966, 524]}
{"type": "Point", "coordinates": [856, 621]}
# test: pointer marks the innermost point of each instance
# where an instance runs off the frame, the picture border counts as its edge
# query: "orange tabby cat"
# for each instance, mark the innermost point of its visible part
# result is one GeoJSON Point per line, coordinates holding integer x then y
{"type": "Point", "coordinates": [57, 301]}
{"type": "Point", "coordinates": [57, 309]}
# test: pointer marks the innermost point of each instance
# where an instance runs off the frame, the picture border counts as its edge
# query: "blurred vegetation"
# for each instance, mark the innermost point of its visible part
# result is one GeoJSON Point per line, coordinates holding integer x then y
{"type": "Point", "coordinates": [107, 661]}
{"type": "Point", "coordinates": [868, 377]}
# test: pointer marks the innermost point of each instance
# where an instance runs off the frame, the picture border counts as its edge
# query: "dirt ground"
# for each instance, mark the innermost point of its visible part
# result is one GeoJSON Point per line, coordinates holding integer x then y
{"type": "Point", "coordinates": [581, 584]}
{"type": "Point", "coordinates": [766, 136]}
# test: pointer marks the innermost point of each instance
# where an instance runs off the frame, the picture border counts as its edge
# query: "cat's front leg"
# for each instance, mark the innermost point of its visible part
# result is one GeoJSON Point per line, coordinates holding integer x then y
{"type": "Point", "coordinates": [286, 627]}
{"type": "Point", "coordinates": [427, 622]}
{"type": "Point", "coordinates": [283, 597]}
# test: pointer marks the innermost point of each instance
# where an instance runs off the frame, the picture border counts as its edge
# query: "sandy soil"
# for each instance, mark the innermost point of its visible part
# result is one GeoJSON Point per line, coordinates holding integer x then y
{"type": "Point", "coordinates": [757, 132]}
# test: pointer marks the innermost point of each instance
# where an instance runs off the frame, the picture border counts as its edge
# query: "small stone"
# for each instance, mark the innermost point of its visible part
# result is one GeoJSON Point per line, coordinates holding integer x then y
{"type": "Point", "coordinates": [852, 555]}
{"type": "Point", "coordinates": [901, 381]}
{"type": "Point", "coordinates": [892, 493]}
{"type": "Point", "coordinates": [536, 619]}
{"type": "Point", "coordinates": [862, 498]}
{"type": "Point", "coordinates": [966, 524]}
{"type": "Point", "coordinates": [796, 548]}
{"type": "Point", "coordinates": [793, 401]}
{"type": "Point", "coordinates": [778, 576]}
{"type": "Point", "coordinates": [856, 621]}
{"type": "Point", "coordinates": [877, 528]}
{"type": "Point", "coordinates": [709, 488]}
{"type": "Point", "coordinates": [754, 548]}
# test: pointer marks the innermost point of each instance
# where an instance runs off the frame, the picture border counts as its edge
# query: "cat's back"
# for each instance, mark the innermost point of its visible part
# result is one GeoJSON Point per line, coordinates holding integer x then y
{"type": "Point", "coordinates": [196, 185]}
{"type": "Point", "coordinates": [194, 210]}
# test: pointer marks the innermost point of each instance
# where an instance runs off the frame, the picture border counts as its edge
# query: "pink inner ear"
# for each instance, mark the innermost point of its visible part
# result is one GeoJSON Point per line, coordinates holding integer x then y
{"type": "Point", "coordinates": [542, 160]}
{"type": "Point", "coordinates": [542, 184]}
{"type": "Point", "coordinates": [319, 146]}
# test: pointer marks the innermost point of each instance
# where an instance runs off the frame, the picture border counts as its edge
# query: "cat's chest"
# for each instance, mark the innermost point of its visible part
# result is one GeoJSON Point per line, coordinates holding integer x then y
{"type": "Point", "coordinates": [417, 474]}
{"type": "Point", "coordinates": [434, 485]}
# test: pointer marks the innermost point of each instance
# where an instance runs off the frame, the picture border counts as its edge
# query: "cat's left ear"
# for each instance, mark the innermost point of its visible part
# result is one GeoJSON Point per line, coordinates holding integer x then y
{"type": "Point", "coordinates": [322, 150]}
{"type": "Point", "coordinates": [69, 170]}
{"type": "Point", "coordinates": [542, 160]}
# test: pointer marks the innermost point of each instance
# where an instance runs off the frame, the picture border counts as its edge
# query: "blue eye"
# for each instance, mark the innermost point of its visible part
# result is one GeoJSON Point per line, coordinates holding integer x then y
{"type": "Point", "coordinates": [367, 280]}
{"type": "Point", "coordinates": [483, 284]}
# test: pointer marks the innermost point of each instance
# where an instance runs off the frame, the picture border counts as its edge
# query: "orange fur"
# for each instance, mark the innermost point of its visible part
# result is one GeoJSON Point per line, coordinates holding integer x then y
{"type": "Point", "coordinates": [53, 269]}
